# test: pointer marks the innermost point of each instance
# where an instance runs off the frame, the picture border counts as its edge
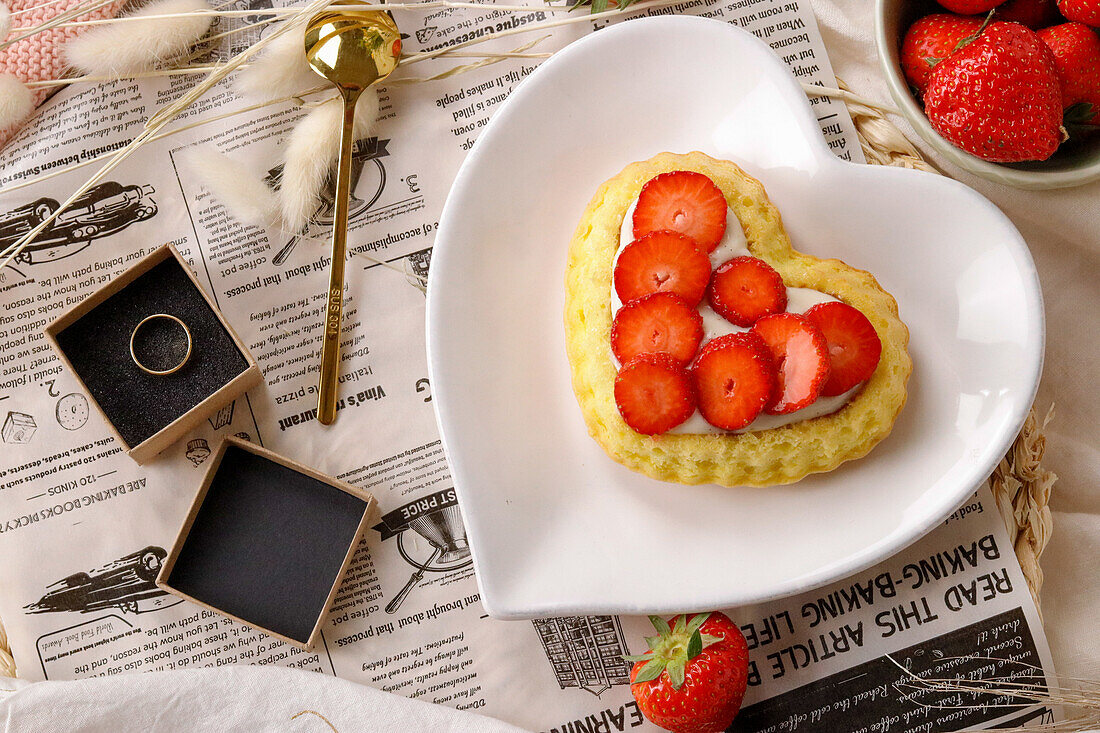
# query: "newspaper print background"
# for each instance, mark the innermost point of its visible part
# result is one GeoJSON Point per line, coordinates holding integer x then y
{"type": "Point", "coordinates": [83, 529]}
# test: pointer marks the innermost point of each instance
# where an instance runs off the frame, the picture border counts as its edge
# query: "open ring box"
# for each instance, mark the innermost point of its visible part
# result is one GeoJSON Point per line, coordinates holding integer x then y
{"type": "Point", "coordinates": [267, 542]}
{"type": "Point", "coordinates": [149, 412]}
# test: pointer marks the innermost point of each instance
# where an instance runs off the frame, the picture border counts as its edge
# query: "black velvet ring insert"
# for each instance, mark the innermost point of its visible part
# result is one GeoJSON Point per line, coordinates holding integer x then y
{"type": "Point", "coordinates": [267, 544]}
{"type": "Point", "coordinates": [139, 404]}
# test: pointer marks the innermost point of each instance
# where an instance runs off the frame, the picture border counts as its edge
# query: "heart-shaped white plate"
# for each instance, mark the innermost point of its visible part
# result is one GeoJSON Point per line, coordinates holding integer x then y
{"type": "Point", "coordinates": [556, 526]}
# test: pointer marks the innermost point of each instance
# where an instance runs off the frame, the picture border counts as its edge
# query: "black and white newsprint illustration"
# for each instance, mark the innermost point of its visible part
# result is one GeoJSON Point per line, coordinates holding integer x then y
{"type": "Point", "coordinates": [436, 520]}
{"type": "Point", "coordinates": [98, 213]}
{"type": "Point", "coordinates": [83, 527]}
{"type": "Point", "coordinates": [586, 652]}
{"type": "Point", "coordinates": [72, 411]}
{"type": "Point", "coordinates": [240, 31]}
{"type": "Point", "coordinates": [19, 427]}
{"type": "Point", "coordinates": [368, 181]}
{"type": "Point", "coordinates": [128, 584]}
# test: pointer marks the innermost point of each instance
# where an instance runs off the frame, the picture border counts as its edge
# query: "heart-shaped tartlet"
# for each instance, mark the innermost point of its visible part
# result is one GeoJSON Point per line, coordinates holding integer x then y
{"type": "Point", "coordinates": [705, 349]}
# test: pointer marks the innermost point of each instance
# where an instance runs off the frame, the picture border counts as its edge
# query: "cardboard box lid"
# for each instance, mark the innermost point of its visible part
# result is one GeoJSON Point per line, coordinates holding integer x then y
{"type": "Point", "coordinates": [267, 541]}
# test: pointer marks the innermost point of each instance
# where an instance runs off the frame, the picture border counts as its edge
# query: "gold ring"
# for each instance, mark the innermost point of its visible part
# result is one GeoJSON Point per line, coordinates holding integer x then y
{"type": "Point", "coordinates": [155, 372]}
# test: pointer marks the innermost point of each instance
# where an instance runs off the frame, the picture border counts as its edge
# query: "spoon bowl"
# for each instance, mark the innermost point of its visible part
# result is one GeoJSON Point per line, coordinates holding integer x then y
{"type": "Point", "coordinates": [352, 48]}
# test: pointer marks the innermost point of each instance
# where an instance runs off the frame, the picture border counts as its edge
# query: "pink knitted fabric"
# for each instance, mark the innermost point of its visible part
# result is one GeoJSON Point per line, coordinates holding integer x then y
{"type": "Point", "coordinates": [40, 56]}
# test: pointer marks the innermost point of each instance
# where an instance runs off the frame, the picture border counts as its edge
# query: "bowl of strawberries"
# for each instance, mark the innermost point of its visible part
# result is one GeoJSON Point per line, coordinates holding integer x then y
{"type": "Point", "coordinates": [1006, 89]}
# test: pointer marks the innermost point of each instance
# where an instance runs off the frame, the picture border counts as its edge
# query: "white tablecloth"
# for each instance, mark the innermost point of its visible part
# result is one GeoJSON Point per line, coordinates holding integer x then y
{"type": "Point", "coordinates": [1063, 230]}
{"type": "Point", "coordinates": [254, 699]}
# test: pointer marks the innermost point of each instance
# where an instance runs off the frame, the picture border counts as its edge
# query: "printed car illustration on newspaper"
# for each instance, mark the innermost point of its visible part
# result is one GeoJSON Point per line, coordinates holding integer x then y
{"type": "Point", "coordinates": [100, 212]}
{"type": "Point", "coordinates": [128, 583]}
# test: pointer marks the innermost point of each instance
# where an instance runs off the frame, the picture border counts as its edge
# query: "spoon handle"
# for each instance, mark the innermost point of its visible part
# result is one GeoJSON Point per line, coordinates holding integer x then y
{"type": "Point", "coordinates": [334, 315]}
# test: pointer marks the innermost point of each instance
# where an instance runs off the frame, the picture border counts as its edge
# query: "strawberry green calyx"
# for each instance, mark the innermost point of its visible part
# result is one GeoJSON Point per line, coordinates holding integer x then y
{"type": "Point", "coordinates": [1080, 114]}
{"type": "Point", "coordinates": [981, 29]}
{"type": "Point", "coordinates": [672, 648]}
{"type": "Point", "coordinates": [964, 42]}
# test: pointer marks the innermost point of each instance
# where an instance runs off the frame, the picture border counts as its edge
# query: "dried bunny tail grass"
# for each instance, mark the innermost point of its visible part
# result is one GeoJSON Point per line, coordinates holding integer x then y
{"type": "Point", "coordinates": [243, 193]}
{"type": "Point", "coordinates": [311, 153]}
{"type": "Point", "coordinates": [5, 21]}
{"type": "Point", "coordinates": [1024, 688]}
{"type": "Point", "coordinates": [16, 101]}
{"type": "Point", "coordinates": [486, 59]}
{"type": "Point", "coordinates": [128, 48]}
{"type": "Point", "coordinates": [157, 122]}
{"type": "Point", "coordinates": [279, 71]}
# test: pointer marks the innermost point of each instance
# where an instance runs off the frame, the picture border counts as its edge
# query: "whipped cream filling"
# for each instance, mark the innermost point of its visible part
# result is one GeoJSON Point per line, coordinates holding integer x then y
{"type": "Point", "coordinates": [799, 300]}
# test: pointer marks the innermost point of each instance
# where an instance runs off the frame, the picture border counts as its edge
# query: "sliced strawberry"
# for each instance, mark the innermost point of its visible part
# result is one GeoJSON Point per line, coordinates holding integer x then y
{"type": "Point", "coordinates": [745, 289]}
{"type": "Point", "coordinates": [854, 346]}
{"type": "Point", "coordinates": [801, 356]}
{"type": "Point", "coordinates": [685, 202]}
{"type": "Point", "coordinates": [653, 393]}
{"type": "Point", "coordinates": [656, 323]}
{"type": "Point", "coordinates": [734, 379]}
{"type": "Point", "coordinates": [662, 262]}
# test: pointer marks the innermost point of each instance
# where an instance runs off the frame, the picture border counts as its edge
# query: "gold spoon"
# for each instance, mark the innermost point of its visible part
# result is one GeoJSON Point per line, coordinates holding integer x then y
{"type": "Point", "coordinates": [352, 49]}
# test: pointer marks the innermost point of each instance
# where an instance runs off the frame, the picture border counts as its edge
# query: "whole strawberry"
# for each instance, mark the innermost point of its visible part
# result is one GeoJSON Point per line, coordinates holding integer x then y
{"type": "Point", "coordinates": [1076, 49]}
{"type": "Point", "coordinates": [970, 7]}
{"type": "Point", "coordinates": [998, 97]}
{"type": "Point", "coordinates": [694, 677]}
{"type": "Point", "coordinates": [930, 40]}
{"type": "Point", "coordinates": [1083, 11]}
{"type": "Point", "coordinates": [1035, 14]}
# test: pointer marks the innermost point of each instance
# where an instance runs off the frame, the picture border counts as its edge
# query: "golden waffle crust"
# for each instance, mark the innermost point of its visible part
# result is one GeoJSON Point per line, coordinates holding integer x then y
{"type": "Point", "coordinates": [777, 456]}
